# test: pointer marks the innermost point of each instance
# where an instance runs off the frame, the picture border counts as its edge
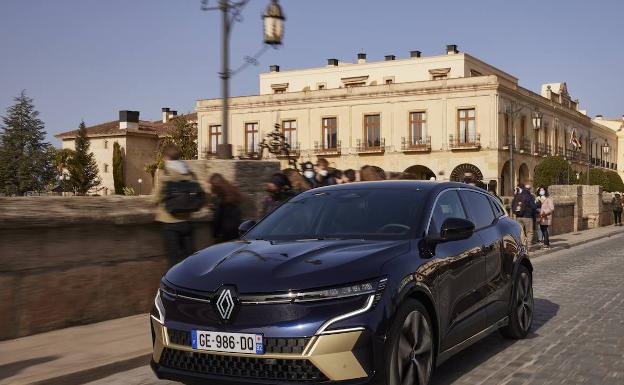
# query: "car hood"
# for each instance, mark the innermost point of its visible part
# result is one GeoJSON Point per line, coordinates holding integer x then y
{"type": "Point", "coordinates": [262, 266]}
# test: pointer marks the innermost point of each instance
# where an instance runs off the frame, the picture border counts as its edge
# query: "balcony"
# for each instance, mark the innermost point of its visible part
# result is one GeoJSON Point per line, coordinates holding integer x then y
{"type": "Point", "coordinates": [208, 154]}
{"type": "Point", "coordinates": [417, 145]}
{"type": "Point", "coordinates": [544, 149]}
{"type": "Point", "coordinates": [463, 144]}
{"type": "Point", "coordinates": [561, 152]}
{"type": "Point", "coordinates": [364, 147]}
{"type": "Point", "coordinates": [294, 151]}
{"type": "Point", "coordinates": [327, 151]}
{"type": "Point", "coordinates": [525, 146]}
{"type": "Point", "coordinates": [249, 154]}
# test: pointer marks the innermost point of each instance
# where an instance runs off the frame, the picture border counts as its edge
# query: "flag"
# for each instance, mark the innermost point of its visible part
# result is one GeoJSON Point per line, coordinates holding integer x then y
{"type": "Point", "coordinates": [574, 141]}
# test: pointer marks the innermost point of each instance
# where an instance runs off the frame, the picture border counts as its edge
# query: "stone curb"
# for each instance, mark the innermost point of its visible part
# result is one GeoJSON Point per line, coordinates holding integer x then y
{"type": "Point", "coordinates": [574, 244]}
{"type": "Point", "coordinates": [97, 372]}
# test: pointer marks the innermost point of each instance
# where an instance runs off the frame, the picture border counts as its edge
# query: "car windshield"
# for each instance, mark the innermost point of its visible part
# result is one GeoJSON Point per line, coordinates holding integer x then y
{"type": "Point", "coordinates": [344, 214]}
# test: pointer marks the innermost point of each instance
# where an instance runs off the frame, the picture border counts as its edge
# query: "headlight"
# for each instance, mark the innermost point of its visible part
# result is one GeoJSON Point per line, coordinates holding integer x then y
{"type": "Point", "coordinates": [158, 312]}
{"type": "Point", "coordinates": [353, 290]}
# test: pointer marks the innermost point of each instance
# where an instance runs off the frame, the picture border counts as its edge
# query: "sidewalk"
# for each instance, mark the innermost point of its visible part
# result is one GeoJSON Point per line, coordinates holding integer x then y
{"type": "Point", "coordinates": [86, 353]}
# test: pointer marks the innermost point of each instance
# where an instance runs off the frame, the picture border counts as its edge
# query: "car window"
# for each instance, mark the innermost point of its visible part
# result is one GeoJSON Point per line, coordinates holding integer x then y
{"type": "Point", "coordinates": [498, 209]}
{"type": "Point", "coordinates": [479, 207]}
{"type": "Point", "coordinates": [344, 214]}
{"type": "Point", "coordinates": [447, 206]}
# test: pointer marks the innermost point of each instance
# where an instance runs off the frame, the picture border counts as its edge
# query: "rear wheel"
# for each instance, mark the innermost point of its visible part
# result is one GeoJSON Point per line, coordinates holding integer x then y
{"type": "Point", "coordinates": [411, 346]}
{"type": "Point", "coordinates": [521, 314]}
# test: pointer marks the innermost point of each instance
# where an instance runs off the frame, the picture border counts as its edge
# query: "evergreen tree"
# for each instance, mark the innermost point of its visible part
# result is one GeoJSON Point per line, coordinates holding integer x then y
{"type": "Point", "coordinates": [118, 169]}
{"type": "Point", "coordinates": [83, 170]}
{"type": "Point", "coordinates": [26, 160]}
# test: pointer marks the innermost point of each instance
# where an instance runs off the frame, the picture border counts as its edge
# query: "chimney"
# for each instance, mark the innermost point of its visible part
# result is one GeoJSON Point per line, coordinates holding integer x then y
{"type": "Point", "coordinates": [361, 58]}
{"type": "Point", "coordinates": [390, 57]}
{"type": "Point", "coordinates": [165, 114]}
{"type": "Point", "coordinates": [173, 114]}
{"type": "Point", "coordinates": [451, 49]}
{"type": "Point", "coordinates": [128, 120]}
{"type": "Point", "coordinates": [415, 54]}
{"type": "Point", "coordinates": [332, 62]}
{"type": "Point", "coordinates": [274, 68]}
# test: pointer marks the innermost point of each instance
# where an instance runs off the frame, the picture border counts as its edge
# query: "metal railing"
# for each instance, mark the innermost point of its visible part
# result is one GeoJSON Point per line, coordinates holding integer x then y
{"type": "Point", "coordinates": [248, 153]}
{"type": "Point", "coordinates": [366, 147]}
{"type": "Point", "coordinates": [323, 150]}
{"type": "Point", "coordinates": [416, 145]}
{"type": "Point", "coordinates": [294, 151]}
{"type": "Point", "coordinates": [456, 143]}
{"type": "Point", "coordinates": [525, 145]}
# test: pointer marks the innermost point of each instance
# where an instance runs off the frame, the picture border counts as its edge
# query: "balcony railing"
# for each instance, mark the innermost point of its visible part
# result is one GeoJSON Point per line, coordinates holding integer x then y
{"type": "Point", "coordinates": [364, 147]}
{"type": "Point", "coordinates": [525, 146]}
{"type": "Point", "coordinates": [561, 151]}
{"type": "Point", "coordinates": [543, 149]}
{"type": "Point", "coordinates": [416, 145]}
{"type": "Point", "coordinates": [473, 143]}
{"type": "Point", "coordinates": [294, 152]}
{"type": "Point", "coordinates": [208, 154]}
{"type": "Point", "coordinates": [248, 153]}
{"type": "Point", "coordinates": [323, 150]}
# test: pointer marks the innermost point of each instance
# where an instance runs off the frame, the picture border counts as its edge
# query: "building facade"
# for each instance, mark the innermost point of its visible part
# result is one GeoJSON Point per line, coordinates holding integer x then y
{"type": "Point", "coordinates": [139, 141]}
{"type": "Point", "coordinates": [432, 117]}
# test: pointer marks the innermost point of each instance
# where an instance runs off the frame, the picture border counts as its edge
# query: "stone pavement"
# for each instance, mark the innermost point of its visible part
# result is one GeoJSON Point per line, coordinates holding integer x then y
{"type": "Point", "coordinates": [579, 325]}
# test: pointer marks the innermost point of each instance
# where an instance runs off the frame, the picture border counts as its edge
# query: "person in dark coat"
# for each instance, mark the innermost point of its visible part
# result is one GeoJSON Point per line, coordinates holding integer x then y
{"type": "Point", "coordinates": [279, 190]}
{"type": "Point", "coordinates": [523, 205]}
{"type": "Point", "coordinates": [227, 214]}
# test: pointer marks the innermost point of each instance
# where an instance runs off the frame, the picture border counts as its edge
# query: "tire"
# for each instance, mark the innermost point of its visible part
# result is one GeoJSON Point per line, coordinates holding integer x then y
{"type": "Point", "coordinates": [522, 306]}
{"type": "Point", "coordinates": [411, 348]}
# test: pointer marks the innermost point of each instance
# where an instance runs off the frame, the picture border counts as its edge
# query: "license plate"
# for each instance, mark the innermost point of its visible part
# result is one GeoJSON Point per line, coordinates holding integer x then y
{"type": "Point", "coordinates": [227, 342]}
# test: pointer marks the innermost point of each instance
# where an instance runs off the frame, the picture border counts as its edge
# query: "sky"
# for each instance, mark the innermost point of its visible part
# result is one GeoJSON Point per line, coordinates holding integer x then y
{"type": "Point", "coordinates": [88, 59]}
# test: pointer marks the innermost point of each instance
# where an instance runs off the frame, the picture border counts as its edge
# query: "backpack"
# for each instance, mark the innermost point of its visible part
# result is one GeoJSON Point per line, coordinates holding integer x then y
{"type": "Point", "coordinates": [183, 197]}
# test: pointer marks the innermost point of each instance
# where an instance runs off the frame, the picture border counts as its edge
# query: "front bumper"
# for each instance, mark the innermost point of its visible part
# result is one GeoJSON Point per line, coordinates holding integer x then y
{"type": "Point", "coordinates": [341, 356]}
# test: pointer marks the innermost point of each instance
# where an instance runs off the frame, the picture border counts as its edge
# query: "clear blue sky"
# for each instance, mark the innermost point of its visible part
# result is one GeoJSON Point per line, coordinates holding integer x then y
{"type": "Point", "coordinates": [87, 59]}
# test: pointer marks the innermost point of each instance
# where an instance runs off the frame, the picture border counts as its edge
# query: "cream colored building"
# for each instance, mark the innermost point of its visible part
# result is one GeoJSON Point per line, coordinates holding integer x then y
{"type": "Point", "coordinates": [434, 117]}
{"type": "Point", "coordinates": [138, 139]}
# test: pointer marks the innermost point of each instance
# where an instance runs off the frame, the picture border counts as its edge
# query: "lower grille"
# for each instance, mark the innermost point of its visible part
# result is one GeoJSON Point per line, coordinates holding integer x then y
{"type": "Point", "coordinates": [271, 345]}
{"type": "Point", "coordinates": [245, 367]}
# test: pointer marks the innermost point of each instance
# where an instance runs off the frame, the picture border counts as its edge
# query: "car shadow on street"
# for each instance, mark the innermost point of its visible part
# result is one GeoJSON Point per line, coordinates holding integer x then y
{"type": "Point", "coordinates": [473, 356]}
{"type": "Point", "coordinates": [13, 368]}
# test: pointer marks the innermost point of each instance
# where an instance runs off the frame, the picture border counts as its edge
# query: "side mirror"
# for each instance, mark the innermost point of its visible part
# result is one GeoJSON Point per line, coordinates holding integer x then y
{"type": "Point", "coordinates": [455, 229]}
{"type": "Point", "coordinates": [244, 227]}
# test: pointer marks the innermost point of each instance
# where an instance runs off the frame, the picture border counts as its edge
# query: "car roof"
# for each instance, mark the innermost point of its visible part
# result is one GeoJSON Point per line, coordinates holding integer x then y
{"type": "Point", "coordinates": [420, 185]}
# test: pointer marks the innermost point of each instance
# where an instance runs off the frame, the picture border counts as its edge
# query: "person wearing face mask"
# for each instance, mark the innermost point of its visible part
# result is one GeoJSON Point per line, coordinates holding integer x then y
{"type": "Point", "coordinates": [279, 190]}
{"type": "Point", "coordinates": [547, 208]}
{"type": "Point", "coordinates": [323, 176]}
{"type": "Point", "coordinates": [308, 174]}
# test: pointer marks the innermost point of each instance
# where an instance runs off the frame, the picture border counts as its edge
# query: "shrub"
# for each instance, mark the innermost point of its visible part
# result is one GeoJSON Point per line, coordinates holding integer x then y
{"type": "Point", "coordinates": [615, 182]}
{"type": "Point", "coordinates": [554, 170]}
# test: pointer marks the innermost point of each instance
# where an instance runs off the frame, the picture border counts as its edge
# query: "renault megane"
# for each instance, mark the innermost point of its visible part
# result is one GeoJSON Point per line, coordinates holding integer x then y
{"type": "Point", "coordinates": [374, 282]}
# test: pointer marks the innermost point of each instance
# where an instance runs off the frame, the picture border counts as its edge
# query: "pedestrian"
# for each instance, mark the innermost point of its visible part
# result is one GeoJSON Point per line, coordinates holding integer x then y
{"type": "Point", "coordinates": [309, 174]}
{"type": "Point", "coordinates": [177, 195]}
{"type": "Point", "coordinates": [523, 205]}
{"type": "Point", "coordinates": [279, 190]}
{"type": "Point", "coordinates": [618, 205]}
{"type": "Point", "coordinates": [492, 188]}
{"type": "Point", "coordinates": [297, 181]}
{"type": "Point", "coordinates": [323, 175]}
{"type": "Point", "coordinates": [227, 210]}
{"type": "Point", "coordinates": [349, 175]}
{"type": "Point", "coordinates": [547, 208]}
{"type": "Point", "coordinates": [371, 173]}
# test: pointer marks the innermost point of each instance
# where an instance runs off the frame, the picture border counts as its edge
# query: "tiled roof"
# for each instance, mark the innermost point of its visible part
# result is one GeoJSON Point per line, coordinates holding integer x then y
{"type": "Point", "coordinates": [112, 128]}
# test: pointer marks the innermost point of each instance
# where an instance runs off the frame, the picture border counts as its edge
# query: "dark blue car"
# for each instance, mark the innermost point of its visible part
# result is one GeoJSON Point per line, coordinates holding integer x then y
{"type": "Point", "coordinates": [361, 283]}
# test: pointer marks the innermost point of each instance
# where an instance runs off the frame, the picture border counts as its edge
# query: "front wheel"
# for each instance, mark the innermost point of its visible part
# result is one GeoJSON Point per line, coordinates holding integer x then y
{"type": "Point", "coordinates": [411, 346]}
{"type": "Point", "coordinates": [521, 314]}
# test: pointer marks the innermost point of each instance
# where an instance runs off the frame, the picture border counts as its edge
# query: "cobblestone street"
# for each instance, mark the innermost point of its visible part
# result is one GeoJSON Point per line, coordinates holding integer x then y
{"type": "Point", "coordinates": [578, 333]}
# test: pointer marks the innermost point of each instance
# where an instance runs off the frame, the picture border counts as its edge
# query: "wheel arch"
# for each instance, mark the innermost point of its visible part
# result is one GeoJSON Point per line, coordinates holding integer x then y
{"type": "Point", "coordinates": [424, 296]}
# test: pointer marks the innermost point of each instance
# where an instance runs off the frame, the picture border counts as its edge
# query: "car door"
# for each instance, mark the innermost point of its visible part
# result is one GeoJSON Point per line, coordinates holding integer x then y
{"type": "Point", "coordinates": [481, 213]}
{"type": "Point", "coordinates": [461, 270]}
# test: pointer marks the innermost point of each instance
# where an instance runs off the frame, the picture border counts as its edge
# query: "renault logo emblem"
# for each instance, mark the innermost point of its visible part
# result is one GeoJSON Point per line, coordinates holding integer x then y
{"type": "Point", "coordinates": [226, 303]}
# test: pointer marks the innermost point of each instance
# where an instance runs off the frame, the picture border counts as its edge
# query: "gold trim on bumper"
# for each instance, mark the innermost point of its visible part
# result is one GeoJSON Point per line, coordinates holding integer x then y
{"type": "Point", "coordinates": [332, 354]}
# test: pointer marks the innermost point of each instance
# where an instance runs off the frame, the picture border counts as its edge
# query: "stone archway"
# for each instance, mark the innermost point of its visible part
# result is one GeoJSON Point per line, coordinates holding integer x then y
{"type": "Point", "coordinates": [523, 174]}
{"type": "Point", "coordinates": [418, 172]}
{"type": "Point", "coordinates": [505, 188]}
{"type": "Point", "coordinates": [466, 169]}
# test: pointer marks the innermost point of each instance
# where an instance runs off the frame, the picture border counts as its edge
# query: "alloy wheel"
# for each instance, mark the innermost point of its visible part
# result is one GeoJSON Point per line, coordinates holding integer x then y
{"type": "Point", "coordinates": [414, 350]}
{"type": "Point", "coordinates": [524, 302]}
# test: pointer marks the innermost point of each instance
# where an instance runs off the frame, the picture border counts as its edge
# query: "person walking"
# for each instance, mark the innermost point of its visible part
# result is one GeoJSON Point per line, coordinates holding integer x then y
{"type": "Point", "coordinates": [371, 173]}
{"type": "Point", "coordinates": [547, 208]}
{"type": "Point", "coordinates": [523, 205]}
{"type": "Point", "coordinates": [298, 183]}
{"type": "Point", "coordinates": [177, 196]}
{"type": "Point", "coordinates": [492, 186]}
{"type": "Point", "coordinates": [309, 174]}
{"type": "Point", "coordinates": [279, 190]}
{"type": "Point", "coordinates": [323, 176]}
{"type": "Point", "coordinates": [227, 210]}
{"type": "Point", "coordinates": [618, 206]}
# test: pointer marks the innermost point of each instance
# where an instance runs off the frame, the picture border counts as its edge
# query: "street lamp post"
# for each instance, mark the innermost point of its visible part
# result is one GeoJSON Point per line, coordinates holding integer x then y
{"type": "Point", "coordinates": [273, 20]}
{"type": "Point", "coordinates": [512, 110]}
{"type": "Point", "coordinates": [140, 185]}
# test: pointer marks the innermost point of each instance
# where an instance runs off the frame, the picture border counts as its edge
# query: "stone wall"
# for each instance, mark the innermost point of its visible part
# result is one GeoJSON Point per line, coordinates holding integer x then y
{"type": "Point", "coordinates": [73, 260]}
